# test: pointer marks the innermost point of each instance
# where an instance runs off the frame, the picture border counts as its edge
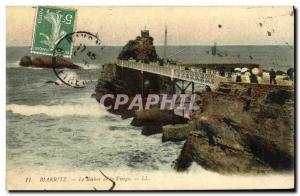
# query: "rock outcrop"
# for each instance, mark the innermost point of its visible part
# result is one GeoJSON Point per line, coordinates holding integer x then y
{"type": "Point", "coordinates": [154, 120]}
{"type": "Point", "coordinates": [140, 49]}
{"type": "Point", "coordinates": [46, 62]}
{"type": "Point", "coordinates": [242, 128]}
{"type": "Point", "coordinates": [25, 61]}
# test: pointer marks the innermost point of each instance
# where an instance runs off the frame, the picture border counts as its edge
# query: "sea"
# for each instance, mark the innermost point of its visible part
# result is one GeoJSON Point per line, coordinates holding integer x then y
{"type": "Point", "coordinates": [55, 126]}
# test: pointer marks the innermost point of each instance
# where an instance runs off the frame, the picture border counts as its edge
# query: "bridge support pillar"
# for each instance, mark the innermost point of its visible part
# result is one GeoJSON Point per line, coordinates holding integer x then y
{"type": "Point", "coordinates": [193, 87]}
{"type": "Point", "coordinates": [182, 88]}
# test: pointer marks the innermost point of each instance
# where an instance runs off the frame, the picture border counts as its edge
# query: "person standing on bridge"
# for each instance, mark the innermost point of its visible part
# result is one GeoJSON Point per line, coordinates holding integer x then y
{"type": "Point", "coordinates": [161, 62]}
{"type": "Point", "coordinates": [222, 72]}
{"type": "Point", "coordinates": [238, 77]}
{"type": "Point", "coordinates": [253, 78]}
{"type": "Point", "coordinates": [272, 76]}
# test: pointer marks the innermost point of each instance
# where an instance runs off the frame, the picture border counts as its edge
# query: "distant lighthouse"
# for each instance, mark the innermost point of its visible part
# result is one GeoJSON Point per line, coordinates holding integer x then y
{"type": "Point", "coordinates": [165, 45]}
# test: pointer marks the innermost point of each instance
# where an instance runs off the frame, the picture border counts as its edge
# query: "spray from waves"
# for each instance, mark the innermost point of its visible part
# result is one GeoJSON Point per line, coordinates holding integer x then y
{"type": "Point", "coordinates": [59, 110]}
{"type": "Point", "coordinates": [16, 64]}
{"type": "Point", "coordinates": [13, 64]}
{"type": "Point", "coordinates": [87, 66]}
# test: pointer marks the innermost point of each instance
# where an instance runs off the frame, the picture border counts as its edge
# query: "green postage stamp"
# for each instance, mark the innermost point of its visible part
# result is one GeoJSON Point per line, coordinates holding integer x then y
{"type": "Point", "coordinates": [51, 25]}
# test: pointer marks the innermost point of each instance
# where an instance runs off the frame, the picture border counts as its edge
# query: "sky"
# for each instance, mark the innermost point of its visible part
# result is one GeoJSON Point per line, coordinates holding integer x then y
{"type": "Point", "coordinates": [185, 25]}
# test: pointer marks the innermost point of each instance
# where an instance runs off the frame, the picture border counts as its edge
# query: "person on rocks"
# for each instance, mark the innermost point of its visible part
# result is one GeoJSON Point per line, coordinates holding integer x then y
{"type": "Point", "coordinates": [272, 77]}
{"type": "Point", "coordinates": [161, 62]}
{"type": "Point", "coordinates": [222, 72]}
{"type": "Point", "coordinates": [230, 73]}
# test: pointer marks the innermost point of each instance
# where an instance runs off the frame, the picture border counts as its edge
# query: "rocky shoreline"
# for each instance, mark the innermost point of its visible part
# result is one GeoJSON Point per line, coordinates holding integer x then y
{"type": "Point", "coordinates": [253, 133]}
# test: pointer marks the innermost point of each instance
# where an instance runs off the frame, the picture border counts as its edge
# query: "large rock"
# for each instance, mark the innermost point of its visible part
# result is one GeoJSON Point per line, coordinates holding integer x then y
{"type": "Point", "coordinates": [47, 62]}
{"type": "Point", "coordinates": [25, 61]}
{"type": "Point", "coordinates": [153, 120]}
{"type": "Point", "coordinates": [248, 129]}
{"type": "Point", "coordinates": [220, 146]}
{"type": "Point", "coordinates": [140, 49]}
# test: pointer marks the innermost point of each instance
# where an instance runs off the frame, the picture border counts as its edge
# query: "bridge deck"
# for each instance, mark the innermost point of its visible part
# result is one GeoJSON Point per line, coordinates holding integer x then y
{"type": "Point", "coordinates": [173, 71]}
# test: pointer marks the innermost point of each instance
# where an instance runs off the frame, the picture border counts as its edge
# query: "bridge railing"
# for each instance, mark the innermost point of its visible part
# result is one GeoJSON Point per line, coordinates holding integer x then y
{"type": "Point", "coordinates": [173, 71]}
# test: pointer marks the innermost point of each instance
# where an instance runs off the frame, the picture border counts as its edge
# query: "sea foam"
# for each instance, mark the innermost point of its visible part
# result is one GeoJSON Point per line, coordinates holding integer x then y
{"type": "Point", "coordinates": [59, 110]}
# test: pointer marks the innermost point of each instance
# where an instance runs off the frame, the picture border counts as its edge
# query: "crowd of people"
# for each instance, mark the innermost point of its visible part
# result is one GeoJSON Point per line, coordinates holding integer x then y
{"type": "Point", "coordinates": [256, 75]}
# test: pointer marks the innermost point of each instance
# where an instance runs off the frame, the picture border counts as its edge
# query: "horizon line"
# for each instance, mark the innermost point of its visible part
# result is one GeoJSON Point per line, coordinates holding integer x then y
{"type": "Point", "coordinates": [181, 45]}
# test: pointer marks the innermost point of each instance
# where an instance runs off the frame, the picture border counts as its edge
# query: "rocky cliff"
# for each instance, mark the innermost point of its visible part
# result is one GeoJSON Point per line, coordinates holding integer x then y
{"type": "Point", "coordinates": [242, 128]}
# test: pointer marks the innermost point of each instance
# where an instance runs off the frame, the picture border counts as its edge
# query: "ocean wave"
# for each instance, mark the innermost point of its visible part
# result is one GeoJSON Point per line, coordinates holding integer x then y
{"type": "Point", "coordinates": [16, 65]}
{"type": "Point", "coordinates": [88, 66]}
{"type": "Point", "coordinates": [59, 110]}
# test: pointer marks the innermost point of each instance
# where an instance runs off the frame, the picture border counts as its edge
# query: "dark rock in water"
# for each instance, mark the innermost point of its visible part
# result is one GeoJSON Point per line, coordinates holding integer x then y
{"type": "Point", "coordinates": [153, 120]}
{"type": "Point", "coordinates": [151, 128]}
{"type": "Point", "coordinates": [52, 82]}
{"type": "Point", "coordinates": [46, 62]}
{"type": "Point", "coordinates": [140, 49]}
{"type": "Point", "coordinates": [249, 129]}
{"type": "Point", "coordinates": [25, 61]}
